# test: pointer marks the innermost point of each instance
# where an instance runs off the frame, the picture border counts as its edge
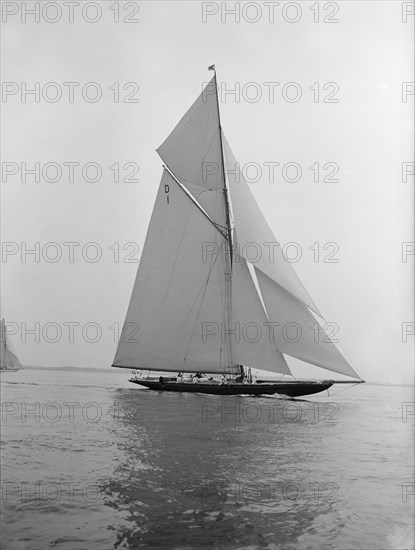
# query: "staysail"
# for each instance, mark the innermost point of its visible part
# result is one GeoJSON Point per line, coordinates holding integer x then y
{"type": "Point", "coordinates": [192, 309]}
{"type": "Point", "coordinates": [252, 343]}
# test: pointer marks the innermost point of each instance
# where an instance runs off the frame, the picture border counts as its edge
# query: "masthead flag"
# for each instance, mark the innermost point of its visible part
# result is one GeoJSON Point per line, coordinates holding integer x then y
{"type": "Point", "coordinates": [211, 68]}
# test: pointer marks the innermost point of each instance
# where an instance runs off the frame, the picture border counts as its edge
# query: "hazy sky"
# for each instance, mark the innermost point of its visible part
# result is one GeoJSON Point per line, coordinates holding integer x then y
{"type": "Point", "coordinates": [367, 133]}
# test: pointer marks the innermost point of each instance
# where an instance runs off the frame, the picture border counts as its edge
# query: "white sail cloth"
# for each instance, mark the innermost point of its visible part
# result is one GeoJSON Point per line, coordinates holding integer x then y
{"type": "Point", "coordinates": [296, 332]}
{"type": "Point", "coordinates": [176, 320]}
{"type": "Point", "coordinates": [7, 358]}
{"type": "Point", "coordinates": [256, 239]}
{"type": "Point", "coordinates": [193, 153]}
{"type": "Point", "coordinates": [177, 306]}
{"type": "Point", "coordinates": [251, 341]}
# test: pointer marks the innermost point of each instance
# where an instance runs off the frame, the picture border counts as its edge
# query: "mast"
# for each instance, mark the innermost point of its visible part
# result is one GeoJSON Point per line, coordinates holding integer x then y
{"type": "Point", "coordinates": [229, 252]}
{"type": "Point", "coordinates": [225, 187]}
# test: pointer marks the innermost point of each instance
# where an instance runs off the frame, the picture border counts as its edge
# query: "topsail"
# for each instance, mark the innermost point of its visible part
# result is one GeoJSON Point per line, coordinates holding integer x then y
{"type": "Point", "coordinates": [193, 153]}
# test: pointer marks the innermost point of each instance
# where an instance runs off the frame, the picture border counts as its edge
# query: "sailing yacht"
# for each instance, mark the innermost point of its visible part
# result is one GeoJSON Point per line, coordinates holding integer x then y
{"type": "Point", "coordinates": [200, 302]}
{"type": "Point", "coordinates": [8, 361]}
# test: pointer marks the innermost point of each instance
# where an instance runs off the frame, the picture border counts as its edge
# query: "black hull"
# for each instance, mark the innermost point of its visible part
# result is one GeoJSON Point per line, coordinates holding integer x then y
{"type": "Point", "coordinates": [290, 389]}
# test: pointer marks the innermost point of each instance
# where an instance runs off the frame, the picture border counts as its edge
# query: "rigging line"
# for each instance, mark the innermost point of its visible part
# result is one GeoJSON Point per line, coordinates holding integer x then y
{"type": "Point", "coordinates": [168, 284]}
{"type": "Point", "coordinates": [202, 289]}
{"type": "Point", "coordinates": [229, 259]}
{"type": "Point", "coordinates": [225, 186]}
{"type": "Point", "coordinates": [225, 171]}
{"type": "Point", "coordinates": [207, 126]}
{"type": "Point", "coordinates": [207, 150]}
{"type": "Point", "coordinates": [211, 143]}
{"type": "Point", "coordinates": [255, 282]}
{"type": "Point", "coordinates": [204, 190]}
{"type": "Point", "coordinates": [336, 343]}
{"type": "Point", "coordinates": [200, 191]}
{"type": "Point", "coordinates": [344, 389]}
{"type": "Point", "coordinates": [203, 160]}
{"type": "Point", "coordinates": [206, 129]}
{"type": "Point", "coordinates": [166, 167]}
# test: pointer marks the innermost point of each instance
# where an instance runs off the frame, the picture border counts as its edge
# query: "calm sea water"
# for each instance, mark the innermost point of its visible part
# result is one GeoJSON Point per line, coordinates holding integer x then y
{"type": "Point", "coordinates": [92, 462]}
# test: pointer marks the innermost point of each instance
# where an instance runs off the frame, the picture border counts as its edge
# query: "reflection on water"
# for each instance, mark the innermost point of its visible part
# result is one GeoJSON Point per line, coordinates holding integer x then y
{"type": "Point", "coordinates": [234, 471]}
{"type": "Point", "coordinates": [169, 470]}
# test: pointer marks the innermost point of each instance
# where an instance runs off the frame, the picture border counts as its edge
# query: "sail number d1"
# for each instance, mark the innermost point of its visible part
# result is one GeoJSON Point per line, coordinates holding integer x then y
{"type": "Point", "coordinates": [167, 191]}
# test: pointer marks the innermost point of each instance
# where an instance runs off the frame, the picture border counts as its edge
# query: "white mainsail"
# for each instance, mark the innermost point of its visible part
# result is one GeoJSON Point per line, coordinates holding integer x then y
{"type": "Point", "coordinates": [177, 307]}
{"type": "Point", "coordinates": [8, 359]}
{"type": "Point", "coordinates": [193, 311]}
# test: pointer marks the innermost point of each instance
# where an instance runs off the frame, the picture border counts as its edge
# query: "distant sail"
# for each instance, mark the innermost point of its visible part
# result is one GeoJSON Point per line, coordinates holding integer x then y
{"type": "Point", "coordinates": [298, 334]}
{"type": "Point", "coordinates": [8, 360]}
{"type": "Point", "coordinates": [192, 152]}
{"type": "Point", "coordinates": [264, 250]}
{"type": "Point", "coordinates": [254, 346]}
{"type": "Point", "coordinates": [177, 305]}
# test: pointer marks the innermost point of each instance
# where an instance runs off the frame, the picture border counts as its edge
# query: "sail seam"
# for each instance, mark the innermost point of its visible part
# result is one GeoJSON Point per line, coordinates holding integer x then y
{"type": "Point", "coordinates": [202, 292]}
{"type": "Point", "coordinates": [204, 288]}
{"type": "Point", "coordinates": [168, 286]}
